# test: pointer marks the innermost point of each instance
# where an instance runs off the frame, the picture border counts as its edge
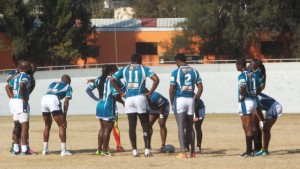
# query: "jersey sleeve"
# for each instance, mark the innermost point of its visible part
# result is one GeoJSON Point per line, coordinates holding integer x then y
{"type": "Point", "coordinates": [121, 85]}
{"type": "Point", "coordinates": [69, 92]}
{"type": "Point", "coordinates": [198, 78]}
{"type": "Point", "coordinates": [11, 73]}
{"type": "Point", "coordinates": [241, 81]}
{"type": "Point", "coordinates": [148, 71]}
{"type": "Point", "coordinates": [173, 78]}
{"type": "Point", "coordinates": [119, 74]}
{"type": "Point", "coordinates": [24, 79]}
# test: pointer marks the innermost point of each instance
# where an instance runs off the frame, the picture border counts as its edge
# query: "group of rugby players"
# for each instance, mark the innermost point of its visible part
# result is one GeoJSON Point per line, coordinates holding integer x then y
{"type": "Point", "coordinates": [127, 86]}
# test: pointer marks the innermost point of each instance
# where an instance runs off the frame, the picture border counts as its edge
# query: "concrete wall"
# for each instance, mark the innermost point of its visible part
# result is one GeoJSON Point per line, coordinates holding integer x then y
{"type": "Point", "coordinates": [219, 81]}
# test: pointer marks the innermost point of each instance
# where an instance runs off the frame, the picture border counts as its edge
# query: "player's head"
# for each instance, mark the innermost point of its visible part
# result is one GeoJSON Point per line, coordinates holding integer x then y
{"type": "Point", "coordinates": [136, 58]}
{"type": "Point", "coordinates": [24, 66]}
{"type": "Point", "coordinates": [256, 63]}
{"type": "Point", "coordinates": [111, 69]}
{"type": "Point", "coordinates": [180, 59]}
{"type": "Point", "coordinates": [33, 68]}
{"type": "Point", "coordinates": [241, 64]}
{"type": "Point", "coordinates": [66, 79]}
{"type": "Point", "coordinates": [103, 68]}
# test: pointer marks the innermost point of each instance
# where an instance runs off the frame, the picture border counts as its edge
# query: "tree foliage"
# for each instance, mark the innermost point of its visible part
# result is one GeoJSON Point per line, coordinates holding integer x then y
{"type": "Point", "coordinates": [49, 32]}
{"type": "Point", "coordinates": [227, 27]}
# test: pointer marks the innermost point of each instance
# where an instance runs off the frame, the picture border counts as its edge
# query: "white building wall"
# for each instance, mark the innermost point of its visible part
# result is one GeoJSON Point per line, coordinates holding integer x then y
{"type": "Point", "coordinates": [219, 81]}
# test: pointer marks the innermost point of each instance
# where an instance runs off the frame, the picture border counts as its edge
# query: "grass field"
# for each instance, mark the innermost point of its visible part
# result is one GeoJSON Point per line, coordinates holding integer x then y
{"type": "Point", "coordinates": [223, 140]}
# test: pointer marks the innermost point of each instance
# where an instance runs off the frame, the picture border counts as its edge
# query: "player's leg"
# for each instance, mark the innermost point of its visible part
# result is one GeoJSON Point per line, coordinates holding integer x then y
{"type": "Point", "coordinates": [100, 138]}
{"type": "Point", "coordinates": [24, 131]}
{"type": "Point", "coordinates": [247, 126]}
{"type": "Point", "coordinates": [190, 133]}
{"type": "Point", "coordinates": [267, 130]}
{"type": "Point", "coordinates": [198, 128]}
{"type": "Point", "coordinates": [152, 118]}
{"type": "Point", "coordinates": [144, 120]}
{"type": "Point", "coordinates": [108, 125]}
{"type": "Point", "coordinates": [60, 120]}
{"type": "Point", "coordinates": [48, 123]}
{"type": "Point", "coordinates": [181, 124]}
{"type": "Point", "coordinates": [257, 135]}
{"type": "Point", "coordinates": [15, 137]}
{"type": "Point", "coordinates": [163, 131]}
{"type": "Point", "coordinates": [132, 121]}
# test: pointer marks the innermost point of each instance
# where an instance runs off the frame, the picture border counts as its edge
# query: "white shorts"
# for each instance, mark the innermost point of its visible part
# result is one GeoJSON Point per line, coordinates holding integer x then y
{"type": "Point", "coordinates": [19, 110]}
{"type": "Point", "coordinates": [247, 106]}
{"type": "Point", "coordinates": [50, 103]}
{"type": "Point", "coordinates": [184, 104]}
{"type": "Point", "coordinates": [136, 104]}
{"type": "Point", "coordinates": [151, 111]}
{"type": "Point", "coordinates": [275, 111]}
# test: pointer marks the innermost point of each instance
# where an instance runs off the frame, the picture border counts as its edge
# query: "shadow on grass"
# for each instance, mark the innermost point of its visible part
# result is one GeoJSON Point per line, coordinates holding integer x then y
{"type": "Point", "coordinates": [284, 152]}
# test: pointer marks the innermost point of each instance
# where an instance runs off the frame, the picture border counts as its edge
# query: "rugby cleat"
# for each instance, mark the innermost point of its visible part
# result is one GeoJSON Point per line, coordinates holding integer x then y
{"type": "Point", "coordinates": [148, 154]}
{"type": "Point", "coordinates": [27, 153]}
{"type": "Point", "coordinates": [99, 152]}
{"type": "Point", "coordinates": [65, 153]}
{"type": "Point", "coordinates": [245, 155]}
{"type": "Point", "coordinates": [180, 155]}
{"type": "Point", "coordinates": [197, 150]}
{"type": "Point", "coordinates": [107, 154]}
{"type": "Point", "coordinates": [135, 153]}
{"type": "Point", "coordinates": [120, 149]}
{"type": "Point", "coordinates": [45, 152]}
{"type": "Point", "coordinates": [262, 152]}
{"type": "Point", "coordinates": [193, 155]}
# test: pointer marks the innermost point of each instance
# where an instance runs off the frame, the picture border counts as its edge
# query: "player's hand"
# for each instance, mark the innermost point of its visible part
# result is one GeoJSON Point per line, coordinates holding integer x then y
{"type": "Point", "coordinates": [122, 94]}
{"type": "Point", "coordinates": [196, 119]}
{"type": "Point", "coordinates": [148, 94]}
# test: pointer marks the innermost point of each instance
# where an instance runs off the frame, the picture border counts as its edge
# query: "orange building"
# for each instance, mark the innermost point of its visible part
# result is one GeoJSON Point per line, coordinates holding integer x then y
{"type": "Point", "coordinates": [120, 38]}
{"type": "Point", "coordinates": [6, 59]}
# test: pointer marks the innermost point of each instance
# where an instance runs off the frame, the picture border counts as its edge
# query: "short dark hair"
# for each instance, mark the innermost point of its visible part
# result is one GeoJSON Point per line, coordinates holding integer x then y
{"type": "Point", "coordinates": [241, 61]}
{"type": "Point", "coordinates": [136, 58]}
{"type": "Point", "coordinates": [180, 56]}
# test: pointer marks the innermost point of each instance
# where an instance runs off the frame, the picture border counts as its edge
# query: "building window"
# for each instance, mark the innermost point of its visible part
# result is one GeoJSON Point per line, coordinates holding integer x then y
{"type": "Point", "coordinates": [146, 48]}
{"type": "Point", "coordinates": [273, 48]}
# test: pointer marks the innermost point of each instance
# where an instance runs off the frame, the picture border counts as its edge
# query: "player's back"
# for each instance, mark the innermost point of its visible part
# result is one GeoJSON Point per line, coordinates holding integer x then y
{"type": "Point", "coordinates": [16, 82]}
{"type": "Point", "coordinates": [60, 89]}
{"type": "Point", "coordinates": [185, 79]}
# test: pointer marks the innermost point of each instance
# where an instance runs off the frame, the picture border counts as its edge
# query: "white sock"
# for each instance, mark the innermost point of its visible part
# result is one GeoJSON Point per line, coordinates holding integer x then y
{"type": "Point", "coordinates": [134, 152]}
{"type": "Point", "coordinates": [24, 148]}
{"type": "Point", "coordinates": [63, 147]}
{"type": "Point", "coordinates": [147, 151]}
{"type": "Point", "coordinates": [45, 146]}
{"type": "Point", "coordinates": [16, 148]}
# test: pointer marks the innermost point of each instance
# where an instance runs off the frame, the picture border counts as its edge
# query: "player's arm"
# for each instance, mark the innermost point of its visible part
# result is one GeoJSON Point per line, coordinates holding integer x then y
{"type": "Point", "coordinates": [243, 89]}
{"type": "Point", "coordinates": [66, 105]}
{"type": "Point", "coordinates": [9, 92]}
{"type": "Point", "coordinates": [200, 90]}
{"type": "Point", "coordinates": [119, 99]}
{"type": "Point", "coordinates": [10, 77]}
{"type": "Point", "coordinates": [113, 82]}
{"type": "Point", "coordinates": [155, 83]}
{"type": "Point", "coordinates": [172, 94]}
{"type": "Point", "coordinates": [22, 92]}
{"type": "Point", "coordinates": [91, 94]}
{"type": "Point", "coordinates": [32, 84]}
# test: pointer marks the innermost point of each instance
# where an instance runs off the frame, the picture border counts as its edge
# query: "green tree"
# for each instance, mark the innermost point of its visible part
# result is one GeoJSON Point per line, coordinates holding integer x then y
{"type": "Point", "coordinates": [49, 32]}
{"type": "Point", "coordinates": [228, 26]}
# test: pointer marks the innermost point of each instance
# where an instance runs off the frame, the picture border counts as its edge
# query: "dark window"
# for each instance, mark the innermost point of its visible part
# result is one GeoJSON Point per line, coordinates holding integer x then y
{"type": "Point", "coordinates": [273, 48]}
{"type": "Point", "coordinates": [146, 48]}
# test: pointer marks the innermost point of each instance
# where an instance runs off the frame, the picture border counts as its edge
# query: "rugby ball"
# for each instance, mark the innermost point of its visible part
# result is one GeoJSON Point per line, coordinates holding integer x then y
{"type": "Point", "coordinates": [169, 148]}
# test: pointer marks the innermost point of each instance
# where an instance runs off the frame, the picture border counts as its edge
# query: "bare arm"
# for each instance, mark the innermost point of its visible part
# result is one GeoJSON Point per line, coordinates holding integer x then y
{"type": "Point", "coordinates": [22, 92]}
{"type": "Point", "coordinates": [172, 94]}
{"type": "Point", "coordinates": [200, 90]}
{"type": "Point", "coordinates": [113, 82]}
{"type": "Point", "coordinates": [119, 99]}
{"type": "Point", "coordinates": [9, 92]}
{"type": "Point", "coordinates": [66, 105]}
{"type": "Point", "coordinates": [155, 83]}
